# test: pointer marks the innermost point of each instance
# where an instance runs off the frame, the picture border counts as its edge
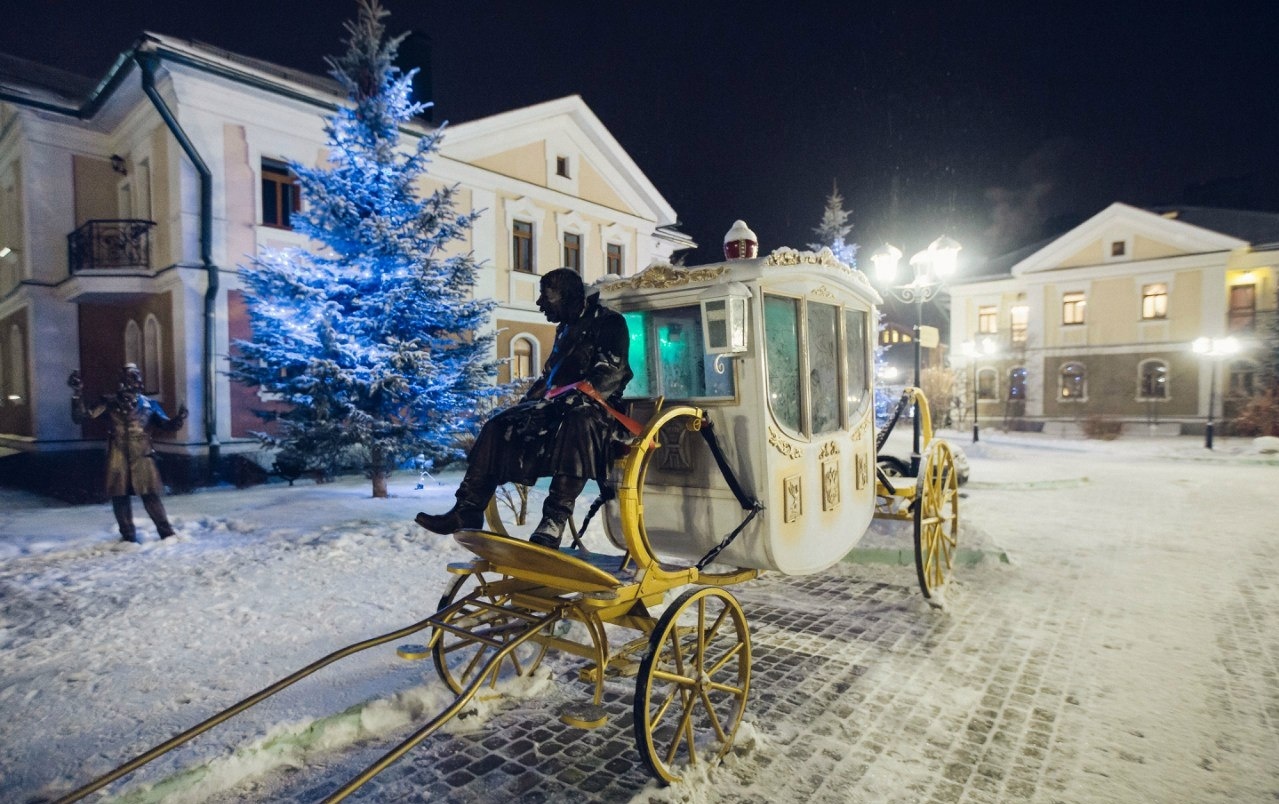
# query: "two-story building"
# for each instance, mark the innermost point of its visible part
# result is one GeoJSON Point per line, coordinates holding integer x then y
{"type": "Point", "coordinates": [1101, 321]}
{"type": "Point", "coordinates": [128, 204]}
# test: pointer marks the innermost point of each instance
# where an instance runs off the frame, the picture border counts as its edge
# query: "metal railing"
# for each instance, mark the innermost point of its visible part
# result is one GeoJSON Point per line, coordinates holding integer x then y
{"type": "Point", "coordinates": [110, 244]}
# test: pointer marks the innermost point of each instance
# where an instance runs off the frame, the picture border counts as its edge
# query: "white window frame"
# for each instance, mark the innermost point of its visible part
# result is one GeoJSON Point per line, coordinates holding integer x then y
{"type": "Point", "coordinates": [574, 223]}
{"type": "Point", "coordinates": [535, 362]}
{"type": "Point", "coordinates": [525, 210]}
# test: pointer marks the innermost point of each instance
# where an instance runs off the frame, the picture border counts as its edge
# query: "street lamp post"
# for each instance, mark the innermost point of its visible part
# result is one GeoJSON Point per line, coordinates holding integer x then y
{"type": "Point", "coordinates": [972, 352]}
{"type": "Point", "coordinates": [930, 269]}
{"type": "Point", "coordinates": [1213, 350]}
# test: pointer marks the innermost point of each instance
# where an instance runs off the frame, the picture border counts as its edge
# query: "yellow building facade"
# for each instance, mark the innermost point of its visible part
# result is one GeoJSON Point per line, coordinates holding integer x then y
{"type": "Point", "coordinates": [1100, 322]}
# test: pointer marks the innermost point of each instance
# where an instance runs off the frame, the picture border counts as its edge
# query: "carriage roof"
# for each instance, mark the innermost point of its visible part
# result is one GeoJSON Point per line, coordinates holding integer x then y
{"type": "Point", "coordinates": [782, 265]}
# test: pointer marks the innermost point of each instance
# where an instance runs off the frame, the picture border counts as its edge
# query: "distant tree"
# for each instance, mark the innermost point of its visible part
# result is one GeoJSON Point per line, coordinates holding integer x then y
{"type": "Point", "coordinates": [370, 339]}
{"type": "Point", "coordinates": [833, 231]}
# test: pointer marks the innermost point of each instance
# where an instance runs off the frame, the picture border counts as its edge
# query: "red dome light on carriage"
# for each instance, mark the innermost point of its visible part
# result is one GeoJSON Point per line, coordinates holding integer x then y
{"type": "Point", "coordinates": [740, 243]}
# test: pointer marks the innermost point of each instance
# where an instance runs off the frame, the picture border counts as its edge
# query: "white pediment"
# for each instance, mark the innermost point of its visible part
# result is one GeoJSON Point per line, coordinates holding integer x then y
{"type": "Point", "coordinates": [567, 127]}
{"type": "Point", "coordinates": [1124, 234]}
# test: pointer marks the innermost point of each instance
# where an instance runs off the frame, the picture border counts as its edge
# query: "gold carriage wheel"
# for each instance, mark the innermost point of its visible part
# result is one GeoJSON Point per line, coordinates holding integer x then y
{"type": "Point", "coordinates": [690, 693]}
{"type": "Point", "coordinates": [936, 518]}
{"type": "Point", "coordinates": [459, 657]}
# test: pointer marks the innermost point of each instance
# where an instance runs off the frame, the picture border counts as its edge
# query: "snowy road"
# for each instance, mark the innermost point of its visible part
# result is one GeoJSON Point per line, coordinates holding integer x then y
{"type": "Point", "coordinates": [1130, 652]}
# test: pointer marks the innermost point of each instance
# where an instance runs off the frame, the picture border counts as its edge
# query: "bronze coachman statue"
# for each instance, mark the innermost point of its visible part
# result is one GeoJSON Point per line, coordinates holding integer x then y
{"type": "Point", "coordinates": [131, 458]}
{"type": "Point", "coordinates": [566, 426]}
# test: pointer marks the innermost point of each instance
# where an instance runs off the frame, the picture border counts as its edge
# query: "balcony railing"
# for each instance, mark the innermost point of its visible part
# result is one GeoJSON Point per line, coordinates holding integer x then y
{"type": "Point", "coordinates": [110, 244]}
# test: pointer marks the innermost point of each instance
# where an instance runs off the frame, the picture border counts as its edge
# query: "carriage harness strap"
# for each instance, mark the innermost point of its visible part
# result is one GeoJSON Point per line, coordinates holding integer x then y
{"type": "Point", "coordinates": [630, 424]}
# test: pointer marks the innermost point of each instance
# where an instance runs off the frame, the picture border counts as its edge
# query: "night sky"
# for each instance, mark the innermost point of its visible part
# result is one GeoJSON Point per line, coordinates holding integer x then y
{"type": "Point", "coordinates": [996, 128]}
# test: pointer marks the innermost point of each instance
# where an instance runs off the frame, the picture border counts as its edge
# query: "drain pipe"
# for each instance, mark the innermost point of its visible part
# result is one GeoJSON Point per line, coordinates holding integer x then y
{"type": "Point", "coordinates": [147, 64]}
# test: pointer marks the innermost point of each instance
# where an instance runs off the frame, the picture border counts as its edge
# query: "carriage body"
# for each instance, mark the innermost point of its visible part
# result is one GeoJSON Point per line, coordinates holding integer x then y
{"type": "Point", "coordinates": [777, 351]}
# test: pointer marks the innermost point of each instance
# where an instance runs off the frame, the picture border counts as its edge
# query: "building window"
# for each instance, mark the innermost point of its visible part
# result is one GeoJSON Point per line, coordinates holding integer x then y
{"type": "Point", "coordinates": [614, 259]}
{"type": "Point", "coordinates": [987, 384]}
{"type": "Point", "coordinates": [1152, 380]}
{"type": "Point", "coordinates": [1074, 382]}
{"type": "Point", "coordinates": [281, 197]}
{"type": "Point", "coordinates": [1117, 248]}
{"type": "Point", "coordinates": [133, 343]}
{"type": "Point", "coordinates": [573, 251]}
{"type": "Point", "coordinates": [523, 358]}
{"type": "Point", "coordinates": [1017, 384]}
{"type": "Point", "coordinates": [987, 319]}
{"type": "Point", "coordinates": [1154, 300]}
{"type": "Point", "coordinates": [1243, 308]}
{"type": "Point", "coordinates": [522, 247]}
{"type": "Point", "coordinates": [1243, 378]}
{"type": "Point", "coordinates": [1019, 317]}
{"type": "Point", "coordinates": [17, 390]}
{"type": "Point", "coordinates": [151, 355]}
{"type": "Point", "coordinates": [1072, 308]}
{"type": "Point", "coordinates": [561, 166]}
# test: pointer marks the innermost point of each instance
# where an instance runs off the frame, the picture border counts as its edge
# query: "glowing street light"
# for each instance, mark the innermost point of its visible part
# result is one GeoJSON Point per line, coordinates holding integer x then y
{"type": "Point", "coordinates": [1214, 350]}
{"type": "Point", "coordinates": [930, 267]}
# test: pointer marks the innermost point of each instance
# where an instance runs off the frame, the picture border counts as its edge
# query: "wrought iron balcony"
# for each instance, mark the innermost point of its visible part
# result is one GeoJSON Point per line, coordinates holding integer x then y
{"type": "Point", "coordinates": [110, 244]}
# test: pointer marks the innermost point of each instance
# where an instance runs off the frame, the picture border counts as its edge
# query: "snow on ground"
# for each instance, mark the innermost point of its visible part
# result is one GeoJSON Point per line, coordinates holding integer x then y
{"type": "Point", "coordinates": [109, 648]}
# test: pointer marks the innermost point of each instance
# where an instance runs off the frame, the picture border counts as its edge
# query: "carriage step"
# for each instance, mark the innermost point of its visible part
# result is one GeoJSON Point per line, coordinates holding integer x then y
{"type": "Point", "coordinates": [583, 715]}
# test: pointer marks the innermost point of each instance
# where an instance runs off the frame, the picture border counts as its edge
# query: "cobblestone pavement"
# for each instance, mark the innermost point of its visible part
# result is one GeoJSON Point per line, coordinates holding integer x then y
{"type": "Point", "coordinates": [1130, 662]}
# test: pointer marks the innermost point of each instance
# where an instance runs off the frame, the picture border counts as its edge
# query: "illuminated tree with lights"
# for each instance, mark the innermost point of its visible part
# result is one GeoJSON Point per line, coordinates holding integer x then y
{"type": "Point", "coordinates": [369, 339]}
{"type": "Point", "coordinates": [834, 228]}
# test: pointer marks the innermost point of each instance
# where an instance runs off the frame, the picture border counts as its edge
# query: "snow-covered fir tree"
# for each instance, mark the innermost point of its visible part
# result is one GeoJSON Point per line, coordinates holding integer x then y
{"type": "Point", "coordinates": [833, 231]}
{"type": "Point", "coordinates": [370, 338]}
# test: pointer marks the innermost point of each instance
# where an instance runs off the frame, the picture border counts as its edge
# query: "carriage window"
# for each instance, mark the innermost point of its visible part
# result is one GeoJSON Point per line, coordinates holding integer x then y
{"type": "Point", "coordinates": [669, 359]}
{"type": "Point", "coordinates": [823, 366]}
{"type": "Point", "coordinates": [781, 333]}
{"type": "Point", "coordinates": [858, 360]}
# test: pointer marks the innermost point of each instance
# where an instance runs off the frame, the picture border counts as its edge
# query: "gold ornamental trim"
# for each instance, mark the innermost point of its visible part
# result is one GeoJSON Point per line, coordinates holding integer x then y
{"type": "Point", "coordinates": [829, 450]}
{"type": "Point", "coordinates": [823, 292]}
{"type": "Point", "coordinates": [780, 443]}
{"type": "Point", "coordinates": [662, 276]}
{"type": "Point", "coordinates": [788, 256]}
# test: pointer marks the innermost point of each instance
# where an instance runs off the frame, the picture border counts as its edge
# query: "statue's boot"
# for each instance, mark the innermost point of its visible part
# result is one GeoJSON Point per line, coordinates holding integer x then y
{"type": "Point", "coordinates": [122, 506]}
{"type": "Point", "coordinates": [158, 515]}
{"type": "Point", "coordinates": [556, 510]}
{"type": "Point", "coordinates": [473, 497]}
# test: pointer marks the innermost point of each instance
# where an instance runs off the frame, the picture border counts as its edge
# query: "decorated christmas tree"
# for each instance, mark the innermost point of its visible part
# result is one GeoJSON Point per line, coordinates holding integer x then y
{"type": "Point", "coordinates": [369, 338]}
{"type": "Point", "coordinates": [834, 228]}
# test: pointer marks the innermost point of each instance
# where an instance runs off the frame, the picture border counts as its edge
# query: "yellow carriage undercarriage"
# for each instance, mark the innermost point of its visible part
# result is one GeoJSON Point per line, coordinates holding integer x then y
{"type": "Point", "coordinates": [691, 657]}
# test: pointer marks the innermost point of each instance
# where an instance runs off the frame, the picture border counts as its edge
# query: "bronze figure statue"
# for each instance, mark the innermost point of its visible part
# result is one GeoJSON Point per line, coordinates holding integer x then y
{"type": "Point", "coordinates": [566, 425]}
{"type": "Point", "coordinates": [131, 459]}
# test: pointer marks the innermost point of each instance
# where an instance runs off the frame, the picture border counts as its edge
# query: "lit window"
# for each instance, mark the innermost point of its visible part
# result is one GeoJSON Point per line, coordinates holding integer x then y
{"type": "Point", "coordinates": [1154, 300]}
{"type": "Point", "coordinates": [669, 358]}
{"type": "Point", "coordinates": [1019, 318]}
{"type": "Point", "coordinates": [573, 251]}
{"type": "Point", "coordinates": [281, 196]}
{"type": "Point", "coordinates": [522, 358]}
{"type": "Point", "coordinates": [1072, 308]}
{"type": "Point", "coordinates": [1074, 382]}
{"type": "Point", "coordinates": [614, 257]}
{"type": "Point", "coordinates": [1153, 380]}
{"type": "Point", "coordinates": [522, 247]}
{"type": "Point", "coordinates": [987, 318]}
